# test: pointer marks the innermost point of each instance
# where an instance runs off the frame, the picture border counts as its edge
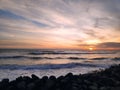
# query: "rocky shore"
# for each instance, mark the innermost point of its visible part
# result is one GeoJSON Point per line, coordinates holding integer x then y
{"type": "Point", "coordinates": [108, 79]}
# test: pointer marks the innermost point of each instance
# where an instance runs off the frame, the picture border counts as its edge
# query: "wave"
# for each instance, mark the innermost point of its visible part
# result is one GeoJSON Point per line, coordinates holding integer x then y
{"type": "Point", "coordinates": [29, 57]}
{"type": "Point", "coordinates": [48, 66]}
{"type": "Point", "coordinates": [116, 58]}
{"type": "Point", "coordinates": [11, 57]}
{"type": "Point", "coordinates": [35, 58]}
{"type": "Point", "coordinates": [49, 58]}
{"type": "Point", "coordinates": [55, 58]}
{"type": "Point", "coordinates": [45, 58]}
{"type": "Point", "coordinates": [68, 52]}
{"type": "Point", "coordinates": [101, 58]}
{"type": "Point", "coordinates": [76, 58]}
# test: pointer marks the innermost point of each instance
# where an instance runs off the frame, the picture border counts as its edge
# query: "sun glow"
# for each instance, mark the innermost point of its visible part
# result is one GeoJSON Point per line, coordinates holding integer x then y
{"type": "Point", "coordinates": [90, 49]}
{"type": "Point", "coordinates": [92, 41]}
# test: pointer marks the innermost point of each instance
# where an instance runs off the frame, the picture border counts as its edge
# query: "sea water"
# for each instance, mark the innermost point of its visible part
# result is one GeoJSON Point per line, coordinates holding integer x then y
{"type": "Point", "coordinates": [41, 62]}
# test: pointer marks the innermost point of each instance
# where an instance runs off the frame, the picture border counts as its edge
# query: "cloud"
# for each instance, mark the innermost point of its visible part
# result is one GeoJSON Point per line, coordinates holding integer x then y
{"type": "Point", "coordinates": [109, 45]}
{"type": "Point", "coordinates": [60, 20]}
{"type": "Point", "coordinates": [18, 44]}
{"type": "Point", "coordinates": [99, 46]}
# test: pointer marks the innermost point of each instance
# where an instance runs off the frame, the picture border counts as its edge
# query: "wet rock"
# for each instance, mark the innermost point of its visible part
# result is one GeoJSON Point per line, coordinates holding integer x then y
{"type": "Point", "coordinates": [87, 82]}
{"type": "Point", "coordinates": [34, 77]}
{"type": "Point", "coordinates": [21, 85]}
{"type": "Point", "coordinates": [115, 88]}
{"type": "Point", "coordinates": [5, 80]}
{"type": "Point", "coordinates": [52, 78]}
{"type": "Point", "coordinates": [50, 83]}
{"type": "Point", "coordinates": [27, 79]}
{"type": "Point", "coordinates": [75, 88]}
{"type": "Point", "coordinates": [60, 78]}
{"type": "Point", "coordinates": [69, 75]}
{"type": "Point", "coordinates": [93, 87]}
{"type": "Point", "coordinates": [19, 79]}
{"type": "Point", "coordinates": [44, 79]}
{"type": "Point", "coordinates": [30, 86]}
{"type": "Point", "coordinates": [4, 84]}
{"type": "Point", "coordinates": [12, 88]}
{"type": "Point", "coordinates": [106, 88]}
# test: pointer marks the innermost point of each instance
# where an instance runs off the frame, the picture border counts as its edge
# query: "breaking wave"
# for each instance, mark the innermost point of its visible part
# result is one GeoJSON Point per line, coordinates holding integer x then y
{"type": "Point", "coordinates": [48, 66]}
{"type": "Point", "coordinates": [55, 58]}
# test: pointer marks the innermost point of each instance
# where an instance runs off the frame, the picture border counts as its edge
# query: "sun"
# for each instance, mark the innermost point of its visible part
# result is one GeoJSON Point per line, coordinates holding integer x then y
{"type": "Point", "coordinates": [90, 48]}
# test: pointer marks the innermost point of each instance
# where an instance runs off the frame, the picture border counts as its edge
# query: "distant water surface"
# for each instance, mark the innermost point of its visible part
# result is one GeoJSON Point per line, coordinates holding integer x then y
{"type": "Point", "coordinates": [16, 62]}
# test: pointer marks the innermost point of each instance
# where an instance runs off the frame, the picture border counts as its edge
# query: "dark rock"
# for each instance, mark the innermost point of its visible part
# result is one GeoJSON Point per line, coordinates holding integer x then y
{"type": "Point", "coordinates": [49, 84]}
{"type": "Point", "coordinates": [106, 88]}
{"type": "Point", "coordinates": [4, 84]}
{"type": "Point", "coordinates": [93, 87]}
{"type": "Point", "coordinates": [21, 85]}
{"type": "Point", "coordinates": [27, 79]}
{"type": "Point", "coordinates": [52, 78]}
{"type": "Point", "coordinates": [5, 80]}
{"type": "Point", "coordinates": [30, 86]}
{"type": "Point", "coordinates": [69, 75]}
{"type": "Point", "coordinates": [44, 79]}
{"type": "Point", "coordinates": [34, 77]}
{"type": "Point", "coordinates": [19, 79]}
{"type": "Point", "coordinates": [60, 78]}
{"type": "Point", "coordinates": [115, 88]}
{"type": "Point", "coordinates": [12, 88]}
{"type": "Point", "coordinates": [13, 83]}
{"type": "Point", "coordinates": [75, 88]}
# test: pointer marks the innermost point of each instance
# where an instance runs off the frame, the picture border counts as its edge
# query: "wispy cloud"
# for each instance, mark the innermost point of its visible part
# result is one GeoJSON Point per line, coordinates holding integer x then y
{"type": "Point", "coordinates": [59, 22]}
{"type": "Point", "coordinates": [109, 45]}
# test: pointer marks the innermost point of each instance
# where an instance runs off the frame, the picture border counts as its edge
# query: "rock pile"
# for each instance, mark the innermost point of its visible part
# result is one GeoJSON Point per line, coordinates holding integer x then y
{"type": "Point", "coordinates": [108, 79]}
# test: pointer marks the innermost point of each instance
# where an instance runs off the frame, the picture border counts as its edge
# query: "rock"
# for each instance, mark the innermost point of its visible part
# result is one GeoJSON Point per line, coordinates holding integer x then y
{"type": "Point", "coordinates": [115, 88]}
{"type": "Point", "coordinates": [19, 79]}
{"type": "Point", "coordinates": [105, 88]}
{"type": "Point", "coordinates": [69, 75]}
{"type": "Point", "coordinates": [93, 88]}
{"type": "Point", "coordinates": [75, 84]}
{"type": "Point", "coordinates": [60, 78]}
{"type": "Point", "coordinates": [34, 77]}
{"type": "Point", "coordinates": [5, 80]}
{"type": "Point", "coordinates": [41, 82]}
{"type": "Point", "coordinates": [21, 85]}
{"type": "Point", "coordinates": [4, 84]}
{"type": "Point", "coordinates": [12, 88]}
{"type": "Point", "coordinates": [50, 83]}
{"type": "Point", "coordinates": [27, 79]}
{"type": "Point", "coordinates": [44, 79]}
{"type": "Point", "coordinates": [30, 86]}
{"type": "Point", "coordinates": [52, 78]}
{"type": "Point", "coordinates": [87, 82]}
{"type": "Point", "coordinates": [13, 83]}
{"type": "Point", "coordinates": [75, 88]}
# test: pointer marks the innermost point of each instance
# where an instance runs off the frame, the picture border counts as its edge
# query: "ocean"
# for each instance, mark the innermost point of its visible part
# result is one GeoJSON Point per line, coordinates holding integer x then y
{"type": "Point", "coordinates": [47, 62]}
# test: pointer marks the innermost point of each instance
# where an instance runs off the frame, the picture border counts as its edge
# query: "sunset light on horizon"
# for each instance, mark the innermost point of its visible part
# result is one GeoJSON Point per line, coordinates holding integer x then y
{"type": "Point", "coordinates": [60, 24]}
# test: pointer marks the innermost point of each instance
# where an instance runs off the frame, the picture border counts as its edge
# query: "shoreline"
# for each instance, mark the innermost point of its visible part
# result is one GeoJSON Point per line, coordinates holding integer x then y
{"type": "Point", "coordinates": [108, 79]}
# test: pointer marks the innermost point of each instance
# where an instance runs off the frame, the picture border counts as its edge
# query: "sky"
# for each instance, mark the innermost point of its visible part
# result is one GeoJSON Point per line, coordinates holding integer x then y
{"type": "Point", "coordinates": [60, 24]}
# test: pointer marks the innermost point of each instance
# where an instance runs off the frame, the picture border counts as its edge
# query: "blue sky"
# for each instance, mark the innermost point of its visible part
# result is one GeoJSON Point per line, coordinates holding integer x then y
{"type": "Point", "coordinates": [71, 24]}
